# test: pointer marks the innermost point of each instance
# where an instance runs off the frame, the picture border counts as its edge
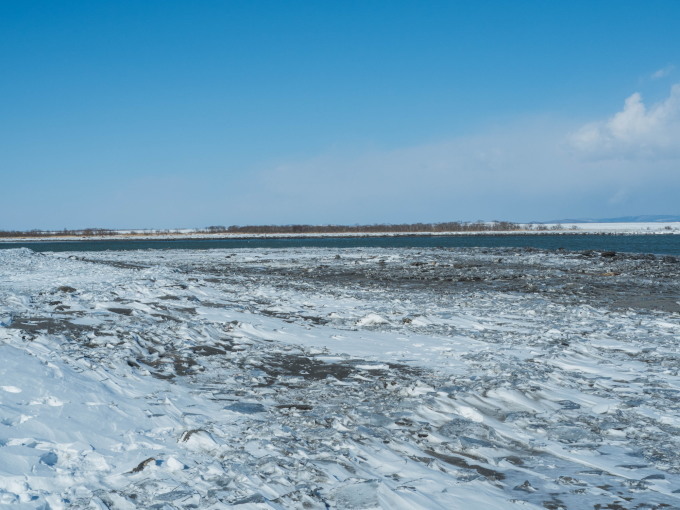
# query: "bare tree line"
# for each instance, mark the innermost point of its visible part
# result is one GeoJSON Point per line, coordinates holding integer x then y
{"type": "Point", "coordinates": [86, 232]}
{"type": "Point", "coordinates": [450, 226]}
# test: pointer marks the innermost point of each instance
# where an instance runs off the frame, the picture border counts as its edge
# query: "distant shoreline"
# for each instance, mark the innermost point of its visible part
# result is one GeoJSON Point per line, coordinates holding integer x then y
{"type": "Point", "coordinates": [585, 229]}
{"type": "Point", "coordinates": [307, 231]}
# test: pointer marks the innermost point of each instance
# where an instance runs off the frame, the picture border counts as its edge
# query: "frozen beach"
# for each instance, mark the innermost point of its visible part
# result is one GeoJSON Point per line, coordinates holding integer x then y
{"type": "Point", "coordinates": [525, 229]}
{"type": "Point", "coordinates": [335, 378]}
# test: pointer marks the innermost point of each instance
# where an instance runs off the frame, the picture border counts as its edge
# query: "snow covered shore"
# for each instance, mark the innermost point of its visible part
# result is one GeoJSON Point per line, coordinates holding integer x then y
{"type": "Point", "coordinates": [550, 229]}
{"type": "Point", "coordinates": [329, 378]}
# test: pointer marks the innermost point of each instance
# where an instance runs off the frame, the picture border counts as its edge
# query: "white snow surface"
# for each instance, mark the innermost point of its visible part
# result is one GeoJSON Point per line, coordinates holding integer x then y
{"type": "Point", "coordinates": [227, 379]}
{"type": "Point", "coordinates": [638, 227]}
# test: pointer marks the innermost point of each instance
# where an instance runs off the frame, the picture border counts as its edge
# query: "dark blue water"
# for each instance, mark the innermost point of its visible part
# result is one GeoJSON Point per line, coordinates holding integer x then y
{"type": "Point", "coordinates": [657, 244]}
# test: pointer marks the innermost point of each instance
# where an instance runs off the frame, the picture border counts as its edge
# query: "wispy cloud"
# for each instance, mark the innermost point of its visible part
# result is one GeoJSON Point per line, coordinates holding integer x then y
{"type": "Point", "coordinates": [636, 131]}
{"type": "Point", "coordinates": [663, 72]}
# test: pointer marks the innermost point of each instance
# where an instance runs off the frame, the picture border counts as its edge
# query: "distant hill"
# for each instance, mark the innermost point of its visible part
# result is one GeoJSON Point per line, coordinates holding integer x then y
{"type": "Point", "coordinates": [647, 218]}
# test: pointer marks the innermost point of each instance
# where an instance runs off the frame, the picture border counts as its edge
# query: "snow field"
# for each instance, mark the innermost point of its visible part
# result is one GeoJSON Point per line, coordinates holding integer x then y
{"type": "Point", "coordinates": [319, 378]}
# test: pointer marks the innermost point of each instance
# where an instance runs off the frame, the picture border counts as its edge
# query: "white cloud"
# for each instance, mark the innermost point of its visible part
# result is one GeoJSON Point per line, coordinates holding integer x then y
{"type": "Point", "coordinates": [662, 73]}
{"type": "Point", "coordinates": [637, 131]}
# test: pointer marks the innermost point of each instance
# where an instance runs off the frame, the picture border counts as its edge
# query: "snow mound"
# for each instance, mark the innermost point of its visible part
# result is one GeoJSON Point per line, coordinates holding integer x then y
{"type": "Point", "coordinates": [372, 319]}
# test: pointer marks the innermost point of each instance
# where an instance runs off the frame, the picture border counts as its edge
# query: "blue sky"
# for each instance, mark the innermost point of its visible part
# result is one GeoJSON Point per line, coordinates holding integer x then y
{"type": "Point", "coordinates": [165, 114]}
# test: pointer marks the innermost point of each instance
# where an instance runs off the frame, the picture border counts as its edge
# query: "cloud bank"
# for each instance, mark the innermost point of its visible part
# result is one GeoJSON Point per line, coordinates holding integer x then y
{"type": "Point", "coordinates": [528, 170]}
{"type": "Point", "coordinates": [533, 169]}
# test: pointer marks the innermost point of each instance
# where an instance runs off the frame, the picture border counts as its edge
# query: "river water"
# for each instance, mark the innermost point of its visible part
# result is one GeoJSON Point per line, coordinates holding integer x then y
{"type": "Point", "coordinates": [656, 244]}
